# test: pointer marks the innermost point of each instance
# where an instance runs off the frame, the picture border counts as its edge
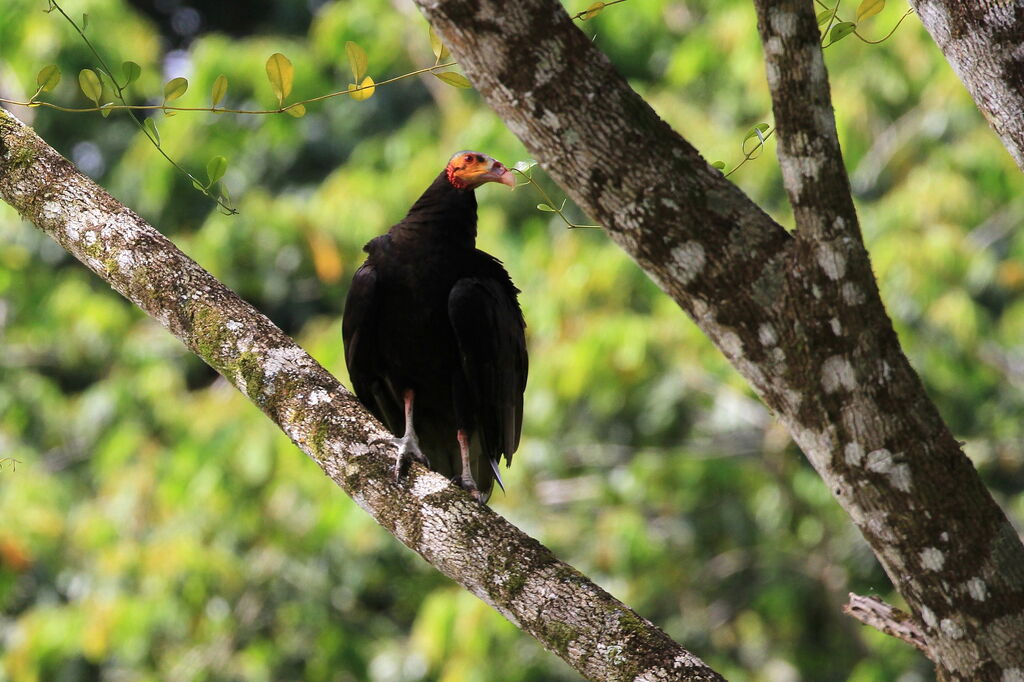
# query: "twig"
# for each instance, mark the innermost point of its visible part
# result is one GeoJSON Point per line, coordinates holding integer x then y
{"type": "Point", "coordinates": [886, 618]}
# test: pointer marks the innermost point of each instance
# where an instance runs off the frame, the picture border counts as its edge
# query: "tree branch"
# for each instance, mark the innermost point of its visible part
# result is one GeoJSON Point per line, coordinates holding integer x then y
{"type": "Point", "coordinates": [981, 41]}
{"type": "Point", "coordinates": [571, 616]}
{"type": "Point", "coordinates": [808, 145]}
{"type": "Point", "coordinates": [886, 618]}
{"type": "Point", "coordinates": [802, 322]}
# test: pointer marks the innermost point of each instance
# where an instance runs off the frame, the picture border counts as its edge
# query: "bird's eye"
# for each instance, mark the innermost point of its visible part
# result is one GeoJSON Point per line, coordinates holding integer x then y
{"type": "Point", "coordinates": [479, 159]}
{"type": "Point", "coordinates": [469, 158]}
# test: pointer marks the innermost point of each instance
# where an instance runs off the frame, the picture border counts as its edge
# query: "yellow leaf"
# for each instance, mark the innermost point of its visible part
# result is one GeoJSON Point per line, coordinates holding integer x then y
{"type": "Point", "coordinates": [280, 74]}
{"type": "Point", "coordinates": [439, 49]}
{"type": "Point", "coordinates": [454, 79]}
{"type": "Point", "coordinates": [296, 110]}
{"type": "Point", "coordinates": [357, 60]}
{"type": "Point", "coordinates": [365, 91]}
{"type": "Point", "coordinates": [869, 8]}
{"type": "Point", "coordinates": [593, 10]}
{"type": "Point", "coordinates": [220, 88]}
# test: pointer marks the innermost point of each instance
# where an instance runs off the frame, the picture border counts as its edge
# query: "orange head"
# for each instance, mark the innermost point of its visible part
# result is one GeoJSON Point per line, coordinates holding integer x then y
{"type": "Point", "coordinates": [469, 170]}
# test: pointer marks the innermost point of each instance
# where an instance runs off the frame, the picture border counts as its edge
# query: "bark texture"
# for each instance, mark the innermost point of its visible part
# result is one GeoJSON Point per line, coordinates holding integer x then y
{"type": "Point", "coordinates": [570, 615]}
{"type": "Point", "coordinates": [981, 40]}
{"type": "Point", "coordinates": [799, 316]}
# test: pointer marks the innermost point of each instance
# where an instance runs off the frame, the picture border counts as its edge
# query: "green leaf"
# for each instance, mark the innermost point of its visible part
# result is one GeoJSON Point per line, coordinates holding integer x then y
{"type": "Point", "coordinates": [840, 31]}
{"type": "Point", "coordinates": [105, 109]}
{"type": "Point", "coordinates": [220, 88]}
{"type": "Point", "coordinates": [454, 79]}
{"type": "Point", "coordinates": [296, 110]}
{"type": "Point", "coordinates": [215, 169]}
{"type": "Point", "coordinates": [869, 8]}
{"type": "Point", "coordinates": [439, 49]}
{"type": "Point", "coordinates": [48, 77]}
{"type": "Point", "coordinates": [90, 84]}
{"type": "Point", "coordinates": [131, 72]}
{"type": "Point", "coordinates": [150, 125]}
{"type": "Point", "coordinates": [593, 10]}
{"type": "Point", "coordinates": [720, 165]}
{"type": "Point", "coordinates": [824, 16]}
{"type": "Point", "coordinates": [545, 207]}
{"type": "Point", "coordinates": [195, 183]}
{"type": "Point", "coordinates": [757, 131]}
{"type": "Point", "coordinates": [356, 60]}
{"type": "Point", "coordinates": [174, 89]}
{"type": "Point", "coordinates": [280, 74]}
{"type": "Point", "coordinates": [366, 92]}
{"type": "Point", "coordinates": [85, 21]}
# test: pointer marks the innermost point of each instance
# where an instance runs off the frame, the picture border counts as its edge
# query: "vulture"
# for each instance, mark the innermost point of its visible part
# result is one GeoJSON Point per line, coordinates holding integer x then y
{"type": "Point", "coordinates": [434, 336]}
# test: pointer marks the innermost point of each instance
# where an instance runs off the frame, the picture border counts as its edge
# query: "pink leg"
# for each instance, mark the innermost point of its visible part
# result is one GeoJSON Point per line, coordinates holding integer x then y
{"type": "Point", "coordinates": [408, 444]}
{"type": "Point", "coordinates": [468, 483]}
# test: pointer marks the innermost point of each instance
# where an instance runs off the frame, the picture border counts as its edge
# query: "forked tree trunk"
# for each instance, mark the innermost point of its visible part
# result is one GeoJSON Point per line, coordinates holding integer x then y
{"type": "Point", "coordinates": [799, 316]}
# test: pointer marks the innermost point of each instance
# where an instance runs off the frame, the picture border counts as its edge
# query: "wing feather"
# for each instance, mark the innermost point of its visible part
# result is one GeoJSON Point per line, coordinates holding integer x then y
{"type": "Point", "coordinates": [358, 328]}
{"type": "Point", "coordinates": [491, 338]}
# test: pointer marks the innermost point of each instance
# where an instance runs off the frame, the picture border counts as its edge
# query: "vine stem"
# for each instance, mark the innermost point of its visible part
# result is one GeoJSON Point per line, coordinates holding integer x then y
{"type": "Point", "coordinates": [547, 200]}
{"type": "Point", "coordinates": [753, 153]}
{"type": "Point", "coordinates": [215, 110]}
{"type": "Point", "coordinates": [835, 16]}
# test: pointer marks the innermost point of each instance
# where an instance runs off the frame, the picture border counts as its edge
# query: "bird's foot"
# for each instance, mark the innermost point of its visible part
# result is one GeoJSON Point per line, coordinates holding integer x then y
{"type": "Point", "coordinates": [469, 485]}
{"type": "Point", "coordinates": [408, 452]}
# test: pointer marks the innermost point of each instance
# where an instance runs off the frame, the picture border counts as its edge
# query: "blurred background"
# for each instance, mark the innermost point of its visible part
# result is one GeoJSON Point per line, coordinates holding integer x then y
{"type": "Point", "coordinates": [158, 527]}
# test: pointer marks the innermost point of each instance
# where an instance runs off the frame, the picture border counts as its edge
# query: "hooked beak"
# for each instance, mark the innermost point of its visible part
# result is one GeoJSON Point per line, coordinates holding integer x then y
{"type": "Point", "coordinates": [499, 173]}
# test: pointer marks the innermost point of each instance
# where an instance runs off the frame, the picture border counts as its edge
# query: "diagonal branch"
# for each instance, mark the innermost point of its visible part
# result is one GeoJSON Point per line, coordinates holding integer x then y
{"type": "Point", "coordinates": [797, 317]}
{"type": "Point", "coordinates": [981, 40]}
{"type": "Point", "coordinates": [570, 615]}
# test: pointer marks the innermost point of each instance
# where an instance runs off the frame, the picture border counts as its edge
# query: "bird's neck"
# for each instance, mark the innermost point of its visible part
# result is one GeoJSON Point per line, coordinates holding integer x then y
{"type": "Point", "coordinates": [443, 213]}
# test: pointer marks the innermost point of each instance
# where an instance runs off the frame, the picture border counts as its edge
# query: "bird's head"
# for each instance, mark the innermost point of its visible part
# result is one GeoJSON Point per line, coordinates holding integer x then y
{"type": "Point", "coordinates": [469, 170]}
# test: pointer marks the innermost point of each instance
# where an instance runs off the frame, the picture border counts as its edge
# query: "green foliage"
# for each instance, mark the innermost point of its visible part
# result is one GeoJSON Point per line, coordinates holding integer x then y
{"type": "Point", "coordinates": [48, 77]}
{"type": "Point", "coordinates": [219, 90]}
{"type": "Point", "coordinates": [157, 527]}
{"type": "Point", "coordinates": [840, 31]}
{"type": "Point", "coordinates": [131, 72]}
{"type": "Point", "coordinates": [90, 84]}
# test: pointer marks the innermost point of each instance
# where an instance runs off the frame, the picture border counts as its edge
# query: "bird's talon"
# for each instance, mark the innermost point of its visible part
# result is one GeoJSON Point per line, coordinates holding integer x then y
{"type": "Point", "coordinates": [408, 452]}
{"type": "Point", "coordinates": [470, 487]}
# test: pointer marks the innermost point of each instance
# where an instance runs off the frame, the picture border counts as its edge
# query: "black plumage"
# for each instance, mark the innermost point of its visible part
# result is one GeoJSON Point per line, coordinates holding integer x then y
{"type": "Point", "coordinates": [434, 334]}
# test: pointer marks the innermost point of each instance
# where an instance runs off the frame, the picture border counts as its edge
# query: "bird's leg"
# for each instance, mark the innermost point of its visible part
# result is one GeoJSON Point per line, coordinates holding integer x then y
{"type": "Point", "coordinates": [468, 484]}
{"type": "Point", "coordinates": [408, 444]}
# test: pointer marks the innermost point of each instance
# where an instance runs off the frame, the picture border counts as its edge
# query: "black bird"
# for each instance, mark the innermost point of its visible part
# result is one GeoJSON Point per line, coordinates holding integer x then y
{"type": "Point", "coordinates": [434, 336]}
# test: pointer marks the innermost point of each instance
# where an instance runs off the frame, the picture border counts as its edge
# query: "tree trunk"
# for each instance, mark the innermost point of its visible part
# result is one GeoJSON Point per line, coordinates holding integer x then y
{"type": "Point", "coordinates": [595, 633]}
{"type": "Point", "coordinates": [981, 39]}
{"type": "Point", "coordinates": [799, 316]}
